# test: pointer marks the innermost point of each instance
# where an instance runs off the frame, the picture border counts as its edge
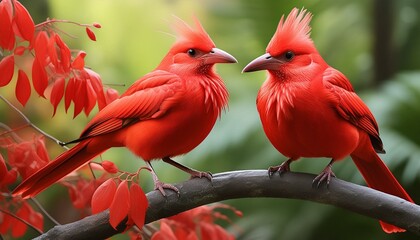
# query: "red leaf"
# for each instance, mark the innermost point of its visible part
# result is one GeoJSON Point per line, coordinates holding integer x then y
{"type": "Point", "coordinates": [41, 48]}
{"type": "Point", "coordinates": [111, 95]}
{"type": "Point", "coordinates": [3, 168]}
{"type": "Point", "coordinates": [138, 205]}
{"type": "Point", "coordinates": [23, 88]}
{"type": "Point", "coordinates": [70, 93]}
{"type": "Point", "coordinates": [24, 156]}
{"type": "Point", "coordinates": [24, 22]}
{"type": "Point", "coordinates": [90, 34]}
{"type": "Point", "coordinates": [7, 67]}
{"type": "Point", "coordinates": [19, 228]}
{"type": "Point", "coordinates": [6, 223]}
{"type": "Point", "coordinates": [109, 166]}
{"type": "Point", "coordinates": [7, 38]}
{"type": "Point", "coordinates": [10, 177]}
{"type": "Point", "coordinates": [27, 213]}
{"type": "Point", "coordinates": [19, 50]}
{"type": "Point", "coordinates": [79, 101]}
{"type": "Point", "coordinates": [81, 193]}
{"type": "Point", "coordinates": [52, 52]}
{"type": "Point", "coordinates": [57, 92]}
{"type": "Point", "coordinates": [96, 82]}
{"type": "Point", "coordinates": [39, 77]}
{"type": "Point", "coordinates": [97, 25]}
{"type": "Point", "coordinates": [79, 61]}
{"type": "Point", "coordinates": [103, 196]}
{"type": "Point", "coordinates": [214, 231]}
{"type": "Point", "coordinates": [90, 97]}
{"type": "Point", "coordinates": [65, 54]}
{"type": "Point", "coordinates": [120, 205]}
{"type": "Point", "coordinates": [36, 219]}
{"type": "Point", "coordinates": [164, 233]}
{"type": "Point", "coordinates": [41, 149]}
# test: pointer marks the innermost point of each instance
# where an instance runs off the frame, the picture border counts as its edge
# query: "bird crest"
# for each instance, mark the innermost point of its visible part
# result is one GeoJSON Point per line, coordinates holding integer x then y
{"type": "Point", "coordinates": [294, 31]}
{"type": "Point", "coordinates": [190, 37]}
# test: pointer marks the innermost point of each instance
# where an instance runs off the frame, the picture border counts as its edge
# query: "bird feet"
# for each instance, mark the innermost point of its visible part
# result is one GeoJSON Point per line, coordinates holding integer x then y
{"type": "Point", "coordinates": [194, 173]}
{"type": "Point", "coordinates": [198, 174]}
{"type": "Point", "coordinates": [162, 186]}
{"type": "Point", "coordinates": [325, 175]}
{"type": "Point", "coordinates": [282, 168]}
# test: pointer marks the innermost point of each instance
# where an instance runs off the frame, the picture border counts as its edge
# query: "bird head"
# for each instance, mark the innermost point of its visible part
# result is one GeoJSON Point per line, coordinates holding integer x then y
{"type": "Point", "coordinates": [290, 49]}
{"type": "Point", "coordinates": [194, 49]}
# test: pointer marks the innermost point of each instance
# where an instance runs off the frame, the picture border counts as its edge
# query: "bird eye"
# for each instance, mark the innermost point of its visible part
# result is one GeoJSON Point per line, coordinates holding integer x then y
{"type": "Point", "coordinates": [191, 52]}
{"type": "Point", "coordinates": [289, 55]}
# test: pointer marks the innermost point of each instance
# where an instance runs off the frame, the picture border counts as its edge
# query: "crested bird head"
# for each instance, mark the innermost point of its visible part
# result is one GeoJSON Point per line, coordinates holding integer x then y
{"type": "Point", "coordinates": [194, 49]}
{"type": "Point", "coordinates": [290, 49]}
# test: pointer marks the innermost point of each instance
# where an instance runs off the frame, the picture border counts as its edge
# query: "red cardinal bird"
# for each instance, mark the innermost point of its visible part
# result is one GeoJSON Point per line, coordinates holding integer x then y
{"type": "Point", "coordinates": [166, 113]}
{"type": "Point", "coordinates": [309, 109]}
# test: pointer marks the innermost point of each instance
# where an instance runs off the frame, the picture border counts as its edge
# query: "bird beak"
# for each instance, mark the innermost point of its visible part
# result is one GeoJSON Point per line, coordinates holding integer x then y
{"type": "Point", "coordinates": [264, 62]}
{"type": "Point", "coordinates": [218, 56]}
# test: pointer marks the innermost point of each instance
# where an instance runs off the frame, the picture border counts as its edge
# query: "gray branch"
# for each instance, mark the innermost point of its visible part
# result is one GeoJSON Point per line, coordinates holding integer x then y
{"type": "Point", "coordinates": [254, 184]}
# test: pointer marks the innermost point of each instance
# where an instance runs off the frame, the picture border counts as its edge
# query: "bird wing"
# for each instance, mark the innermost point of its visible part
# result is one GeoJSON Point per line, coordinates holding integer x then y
{"type": "Point", "coordinates": [351, 107]}
{"type": "Point", "coordinates": [148, 98]}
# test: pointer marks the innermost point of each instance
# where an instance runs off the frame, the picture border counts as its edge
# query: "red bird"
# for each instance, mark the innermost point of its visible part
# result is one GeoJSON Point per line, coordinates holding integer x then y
{"type": "Point", "coordinates": [309, 109]}
{"type": "Point", "coordinates": [166, 113]}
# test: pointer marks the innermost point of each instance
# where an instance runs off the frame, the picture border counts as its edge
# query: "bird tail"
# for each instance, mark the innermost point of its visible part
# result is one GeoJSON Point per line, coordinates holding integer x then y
{"type": "Point", "coordinates": [56, 170]}
{"type": "Point", "coordinates": [378, 176]}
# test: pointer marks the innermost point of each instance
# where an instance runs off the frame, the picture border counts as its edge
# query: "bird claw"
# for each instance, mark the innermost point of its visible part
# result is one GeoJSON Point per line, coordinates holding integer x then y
{"type": "Point", "coordinates": [282, 168]}
{"type": "Point", "coordinates": [198, 174]}
{"type": "Point", "coordinates": [161, 186]}
{"type": "Point", "coordinates": [324, 176]}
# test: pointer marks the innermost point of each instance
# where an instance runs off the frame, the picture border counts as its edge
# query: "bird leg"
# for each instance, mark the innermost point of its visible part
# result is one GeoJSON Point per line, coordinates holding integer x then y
{"type": "Point", "coordinates": [325, 175]}
{"type": "Point", "coordinates": [194, 173]}
{"type": "Point", "coordinates": [160, 185]}
{"type": "Point", "coordinates": [282, 168]}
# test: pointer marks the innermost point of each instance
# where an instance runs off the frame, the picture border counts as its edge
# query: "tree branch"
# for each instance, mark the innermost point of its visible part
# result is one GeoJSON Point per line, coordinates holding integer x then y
{"type": "Point", "coordinates": [254, 184]}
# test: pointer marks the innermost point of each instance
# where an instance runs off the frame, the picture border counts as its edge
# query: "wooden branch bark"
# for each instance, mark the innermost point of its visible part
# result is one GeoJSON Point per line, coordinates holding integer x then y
{"type": "Point", "coordinates": [255, 184]}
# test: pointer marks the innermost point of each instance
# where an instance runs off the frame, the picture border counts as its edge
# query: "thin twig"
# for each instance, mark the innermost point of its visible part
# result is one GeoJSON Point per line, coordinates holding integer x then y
{"type": "Point", "coordinates": [12, 132]}
{"type": "Point", "coordinates": [50, 21]}
{"type": "Point", "coordinates": [40, 207]}
{"type": "Point", "coordinates": [22, 220]}
{"type": "Point", "coordinates": [31, 124]}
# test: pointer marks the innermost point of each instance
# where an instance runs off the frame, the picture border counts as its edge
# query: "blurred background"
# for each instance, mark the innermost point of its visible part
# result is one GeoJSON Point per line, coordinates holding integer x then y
{"type": "Point", "coordinates": [374, 43]}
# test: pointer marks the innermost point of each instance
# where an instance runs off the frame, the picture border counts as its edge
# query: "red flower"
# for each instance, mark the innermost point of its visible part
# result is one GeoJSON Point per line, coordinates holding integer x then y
{"type": "Point", "coordinates": [7, 177]}
{"type": "Point", "coordinates": [17, 227]}
{"type": "Point", "coordinates": [197, 223]}
{"type": "Point", "coordinates": [81, 192]}
{"type": "Point", "coordinates": [26, 156]}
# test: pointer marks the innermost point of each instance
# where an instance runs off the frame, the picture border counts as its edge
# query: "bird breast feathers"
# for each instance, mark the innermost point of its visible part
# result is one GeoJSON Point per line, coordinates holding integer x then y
{"type": "Point", "coordinates": [280, 97]}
